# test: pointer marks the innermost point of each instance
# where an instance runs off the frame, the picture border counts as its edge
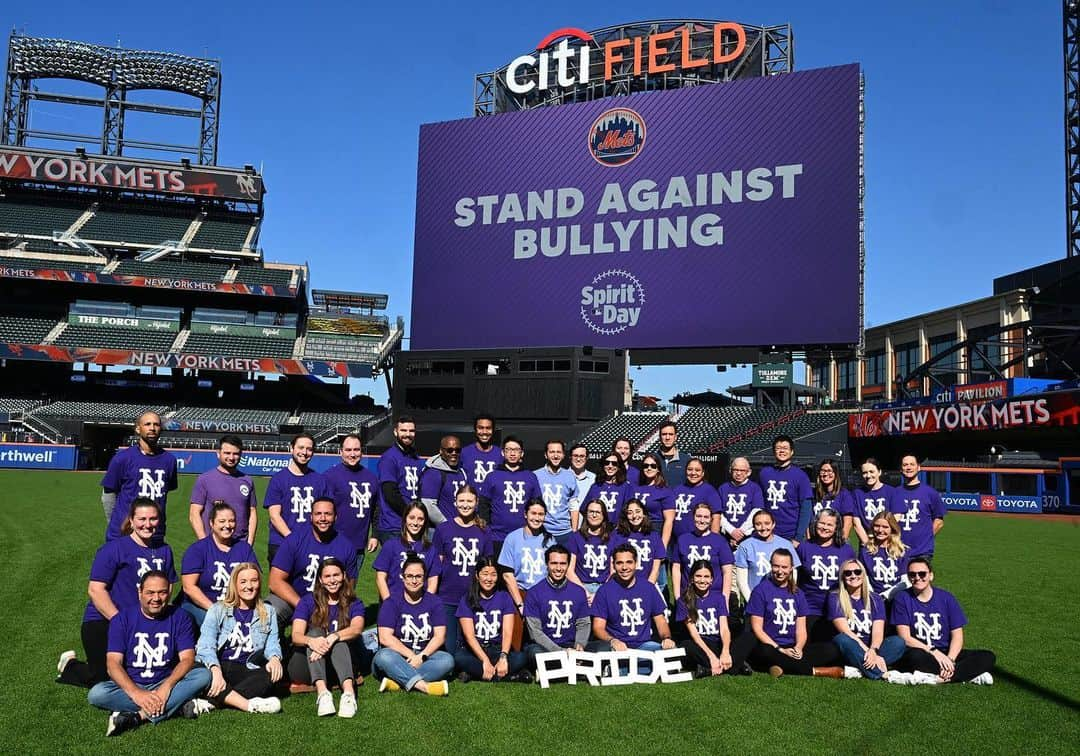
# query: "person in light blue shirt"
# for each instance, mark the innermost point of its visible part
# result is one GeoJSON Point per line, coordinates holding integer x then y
{"type": "Point", "coordinates": [559, 487]}
{"type": "Point", "coordinates": [752, 557]}
{"type": "Point", "coordinates": [579, 458]}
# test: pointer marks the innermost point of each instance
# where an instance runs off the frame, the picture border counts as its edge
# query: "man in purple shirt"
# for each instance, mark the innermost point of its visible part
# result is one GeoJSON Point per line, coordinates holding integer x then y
{"type": "Point", "coordinates": [291, 492]}
{"type": "Point", "coordinates": [506, 491]}
{"type": "Point", "coordinates": [623, 607]}
{"type": "Point", "coordinates": [151, 662]}
{"type": "Point", "coordinates": [399, 478]}
{"type": "Point", "coordinates": [356, 494]}
{"type": "Point", "coordinates": [788, 493]}
{"type": "Point", "coordinates": [144, 469]}
{"type": "Point", "coordinates": [296, 564]}
{"type": "Point", "coordinates": [924, 512]}
{"type": "Point", "coordinates": [482, 456]}
{"type": "Point", "coordinates": [225, 483]}
{"type": "Point", "coordinates": [556, 610]}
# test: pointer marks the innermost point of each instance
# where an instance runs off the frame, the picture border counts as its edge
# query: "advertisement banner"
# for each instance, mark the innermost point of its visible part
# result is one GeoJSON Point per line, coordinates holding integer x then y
{"type": "Point", "coordinates": [113, 321]}
{"type": "Point", "coordinates": [772, 375]}
{"type": "Point", "coordinates": [58, 168]}
{"type": "Point", "coordinates": [697, 217]}
{"type": "Point", "coordinates": [217, 426]}
{"type": "Point", "coordinates": [982, 415]}
{"type": "Point", "coordinates": [233, 329]}
{"type": "Point", "coordinates": [149, 282]}
{"type": "Point", "coordinates": [52, 353]}
{"type": "Point", "coordinates": [38, 456]}
{"type": "Point", "coordinates": [961, 501]}
{"type": "Point", "coordinates": [257, 463]}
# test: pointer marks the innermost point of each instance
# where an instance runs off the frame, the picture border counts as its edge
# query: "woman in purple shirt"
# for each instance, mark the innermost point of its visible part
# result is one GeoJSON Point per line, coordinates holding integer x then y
{"type": "Point", "coordinates": [858, 615]}
{"type": "Point", "coordinates": [387, 565]}
{"type": "Point", "coordinates": [460, 543]}
{"type": "Point", "coordinates": [487, 617]}
{"type": "Point", "coordinates": [590, 549]}
{"type": "Point", "coordinates": [636, 528]}
{"type": "Point", "coordinates": [704, 610]}
{"type": "Point", "coordinates": [829, 492]}
{"type": "Point", "coordinates": [208, 563]}
{"type": "Point", "coordinates": [885, 556]}
{"type": "Point", "coordinates": [114, 576]}
{"type": "Point", "coordinates": [819, 571]}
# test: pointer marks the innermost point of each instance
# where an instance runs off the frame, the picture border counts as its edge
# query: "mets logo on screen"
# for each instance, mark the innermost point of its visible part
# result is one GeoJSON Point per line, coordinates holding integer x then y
{"type": "Point", "coordinates": [612, 302]}
{"type": "Point", "coordinates": [616, 137]}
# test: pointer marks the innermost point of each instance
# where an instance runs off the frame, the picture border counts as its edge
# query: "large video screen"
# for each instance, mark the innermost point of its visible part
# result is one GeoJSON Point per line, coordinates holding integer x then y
{"type": "Point", "coordinates": [719, 215]}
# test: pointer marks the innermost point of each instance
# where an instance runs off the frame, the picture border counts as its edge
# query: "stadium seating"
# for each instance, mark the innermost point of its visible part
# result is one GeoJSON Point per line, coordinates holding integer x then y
{"type": "Point", "coordinates": [637, 426]}
{"type": "Point", "coordinates": [125, 224]}
{"type": "Point", "coordinates": [318, 420]}
{"type": "Point", "coordinates": [17, 405]}
{"type": "Point", "coordinates": [757, 433]}
{"type": "Point", "coordinates": [700, 426]}
{"type": "Point", "coordinates": [100, 337]}
{"type": "Point", "coordinates": [22, 329]}
{"type": "Point", "coordinates": [40, 217]}
{"type": "Point", "coordinates": [321, 346]}
{"type": "Point", "coordinates": [91, 264]}
{"type": "Point", "coordinates": [238, 346]}
{"type": "Point", "coordinates": [260, 416]}
{"type": "Point", "coordinates": [189, 270]}
{"type": "Point", "coordinates": [99, 411]}
{"type": "Point", "coordinates": [256, 274]}
{"type": "Point", "coordinates": [221, 233]}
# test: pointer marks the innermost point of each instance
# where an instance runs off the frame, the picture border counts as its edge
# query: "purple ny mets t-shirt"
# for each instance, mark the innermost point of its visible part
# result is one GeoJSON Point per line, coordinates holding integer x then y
{"type": "Point", "coordinates": [132, 474]}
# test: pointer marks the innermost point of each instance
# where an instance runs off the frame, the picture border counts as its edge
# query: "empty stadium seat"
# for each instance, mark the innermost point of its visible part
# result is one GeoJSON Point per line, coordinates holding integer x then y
{"type": "Point", "coordinates": [100, 337]}
{"type": "Point", "coordinates": [256, 274]}
{"type": "Point", "coordinates": [222, 233]}
{"type": "Point", "coordinates": [194, 271]}
{"type": "Point", "coordinates": [38, 216]}
{"type": "Point", "coordinates": [122, 224]}
{"type": "Point", "coordinates": [238, 346]}
{"type": "Point", "coordinates": [637, 426]}
{"type": "Point", "coordinates": [99, 411]}
{"type": "Point", "coordinates": [21, 329]}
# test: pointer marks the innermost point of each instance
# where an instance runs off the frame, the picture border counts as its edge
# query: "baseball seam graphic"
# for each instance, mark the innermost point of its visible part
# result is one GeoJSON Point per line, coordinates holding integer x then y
{"type": "Point", "coordinates": [599, 278]}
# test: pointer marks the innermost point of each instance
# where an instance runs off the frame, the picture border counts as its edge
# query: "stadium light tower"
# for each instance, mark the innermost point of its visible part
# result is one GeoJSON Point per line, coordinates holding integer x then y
{"type": "Point", "coordinates": [1071, 25]}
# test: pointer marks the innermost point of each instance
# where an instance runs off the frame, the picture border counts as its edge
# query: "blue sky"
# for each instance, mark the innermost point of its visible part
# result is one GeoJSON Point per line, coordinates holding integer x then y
{"type": "Point", "coordinates": [964, 135]}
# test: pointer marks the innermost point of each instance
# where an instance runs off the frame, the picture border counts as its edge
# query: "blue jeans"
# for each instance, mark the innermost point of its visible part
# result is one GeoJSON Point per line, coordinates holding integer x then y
{"type": "Point", "coordinates": [109, 696]}
{"type": "Point", "coordinates": [389, 663]}
{"type": "Point", "coordinates": [892, 648]}
{"type": "Point", "coordinates": [453, 630]}
{"type": "Point", "coordinates": [198, 614]}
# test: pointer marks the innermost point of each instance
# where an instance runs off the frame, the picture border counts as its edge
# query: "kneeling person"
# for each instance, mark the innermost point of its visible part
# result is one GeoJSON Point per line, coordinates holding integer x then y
{"type": "Point", "coordinates": [623, 606]}
{"type": "Point", "coordinates": [556, 610]}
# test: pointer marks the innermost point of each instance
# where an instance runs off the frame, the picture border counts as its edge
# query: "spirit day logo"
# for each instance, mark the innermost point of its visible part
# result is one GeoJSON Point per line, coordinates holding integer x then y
{"type": "Point", "coordinates": [612, 302]}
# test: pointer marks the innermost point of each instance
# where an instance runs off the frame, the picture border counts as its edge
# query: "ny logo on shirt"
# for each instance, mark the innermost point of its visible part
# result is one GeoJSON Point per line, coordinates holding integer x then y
{"type": "Point", "coordinates": [736, 505]}
{"type": "Point", "coordinates": [698, 553]}
{"type": "Point", "coordinates": [707, 622]}
{"type": "Point", "coordinates": [644, 499]}
{"type": "Point", "coordinates": [873, 507]}
{"type": "Point", "coordinates": [302, 497]}
{"type": "Point", "coordinates": [644, 551]}
{"type": "Point", "coordinates": [146, 656]}
{"type": "Point", "coordinates": [559, 621]}
{"type": "Point", "coordinates": [514, 494]}
{"type": "Point", "coordinates": [532, 563]}
{"type": "Point", "coordinates": [927, 630]}
{"type": "Point", "coordinates": [631, 615]}
{"type": "Point", "coordinates": [610, 499]}
{"type": "Point", "coordinates": [312, 569]}
{"type": "Point", "coordinates": [885, 572]}
{"type": "Point", "coordinates": [683, 503]}
{"type": "Point", "coordinates": [415, 631]}
{"type": "Point", "coordinates": [595, 559]}
{"type": "Point", "coordinates": [784, 614]}
{"type": "Point", "coordinates": [763, 566]}
{"type": "Point", "coordinates": [824, 572]}
{"type": "Point", "coordinates": [481, 470]}
{"type": "Point", "coordinates": [405, 554]}
{"type": "Point", "coordinates": [912, 515]}
{"type": "Point", "coordinates": [145, 566]}
{"type": "Point", "coordinates": [151, 483]}
{"type": "Point", "coordinates": [360, 499]}
{"type": "Point", "coordinates": [240, 640]}
{"type": "Point", "coordinates": [777, 492]}
{"type": "Point", "coordinates": [488, 625]}
{"type": "Point", "coordinates": [553, 496]}
{"type": "Point", "coordinates": [412, 479]}
{"type": "Point", "coordinates": [464, 557]}
{"type": "Point", "coordinates": [861, 623]}
{"type": "Point", "coordinates": [221, 578]}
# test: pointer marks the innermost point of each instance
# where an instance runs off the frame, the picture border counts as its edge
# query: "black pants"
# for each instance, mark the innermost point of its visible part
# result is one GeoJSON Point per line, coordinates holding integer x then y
{"type": "Point", "coordinates": [762, 656]}
{"type": "Point", "coordinates": [819, 629]}
{"type": "Point", "coordinates": [250, 683]}
{"type": "Point", "coordinates": [467, 662]}
{"type": "Point", "coordinates": [969, 663]}
{"type": "Point", "coordinates": [695, 657]}
{"type": "Point", "coordinates": [95, 640]}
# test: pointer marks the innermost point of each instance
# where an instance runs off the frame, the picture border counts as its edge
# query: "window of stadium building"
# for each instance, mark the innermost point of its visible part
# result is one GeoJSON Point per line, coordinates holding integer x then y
{"type": "Point", "coordinates": [875, 369]}
{"type": "Point", "coordinates": [544, 366]}
{"type": "Point", "coordinates": [1017, 485]}
{"type": "Point", "coordinates": [969, 482]}
{"type": "Point", "coordinates": [592, 366]}
{"type": "Point", "coordinates": [435, 367]}
{"type": "Point", "coordinates": [435, 397]}
{"type": "Point", "coordinates": [845, 382]}
{"type": "Point", "coordinates": [500, 367]}
{"type": "Point", "coordinates": [986, 352]}
{"type": "Point", "coordinates": [907, 358]}
{"type": "Point", "coordinates": [944, 371]}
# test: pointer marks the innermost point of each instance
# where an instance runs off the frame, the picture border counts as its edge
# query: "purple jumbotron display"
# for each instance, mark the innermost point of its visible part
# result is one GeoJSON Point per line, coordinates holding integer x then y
{"type": "Point", "coordinates": [720, 215]}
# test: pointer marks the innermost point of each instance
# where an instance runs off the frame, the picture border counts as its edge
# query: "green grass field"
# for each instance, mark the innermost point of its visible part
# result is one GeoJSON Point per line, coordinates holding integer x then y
{"type": "Point", "coordinates": [1013, 576]}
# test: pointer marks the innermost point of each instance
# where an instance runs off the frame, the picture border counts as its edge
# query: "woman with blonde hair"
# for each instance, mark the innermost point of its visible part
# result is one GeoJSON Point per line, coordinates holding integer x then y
{"type": "Point", "coordinates": [858, 614]}
{"type": "Point", "coordinates": [240, 646]}
{"type": "Point", "coordinates": [885, 556]}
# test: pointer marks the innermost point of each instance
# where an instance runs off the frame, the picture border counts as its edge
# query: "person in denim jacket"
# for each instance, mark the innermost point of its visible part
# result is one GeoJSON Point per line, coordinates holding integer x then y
{"type": "Point", "coordinates": [240, 646]}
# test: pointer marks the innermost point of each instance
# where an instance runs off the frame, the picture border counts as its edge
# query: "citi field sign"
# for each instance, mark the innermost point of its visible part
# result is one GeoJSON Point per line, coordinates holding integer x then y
{"type": "Point", "coordinates": [649, 55]}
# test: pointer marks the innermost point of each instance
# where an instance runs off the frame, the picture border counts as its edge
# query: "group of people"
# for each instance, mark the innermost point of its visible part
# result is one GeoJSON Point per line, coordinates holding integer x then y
{"type": "Point", "coordinates": [480, 564]}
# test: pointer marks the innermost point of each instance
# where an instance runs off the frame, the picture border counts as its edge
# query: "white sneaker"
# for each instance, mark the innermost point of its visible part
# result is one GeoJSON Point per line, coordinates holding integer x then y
{"type": "Point", "coordinates": [924, 678]}
{"type": "Point", "coordinates": [899, 678]}
{"type": "Point", "coordinates": [65, 659]}
{"type": "Point", "coordinates": [347, 707]}
{"type": "Point", "coordinates": [852, 673]}
{"type": "Point", "coordinates": [984, 679]}
{"type": "Point", "coordinates": [270, 705]}
{"type": "Point", "coordinates": [325, 704]}
{"type": "Point", "coordinates": [195, 708]}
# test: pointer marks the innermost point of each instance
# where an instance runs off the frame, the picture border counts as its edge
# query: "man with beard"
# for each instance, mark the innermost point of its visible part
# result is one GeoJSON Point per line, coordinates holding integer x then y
{"type": "Point", "coordinates": [225, 483]}
{"type": "Point", "coordinates": [145, 470]}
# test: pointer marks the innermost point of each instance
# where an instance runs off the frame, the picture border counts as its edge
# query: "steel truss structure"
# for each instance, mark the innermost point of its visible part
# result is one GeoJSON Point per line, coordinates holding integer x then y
{"type": "Point", "coordinates": [1071, 45]}
{"type": "Point", "coordinates": [769, 50]}
{"type": "Point", "coordinates": [120, 72]}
